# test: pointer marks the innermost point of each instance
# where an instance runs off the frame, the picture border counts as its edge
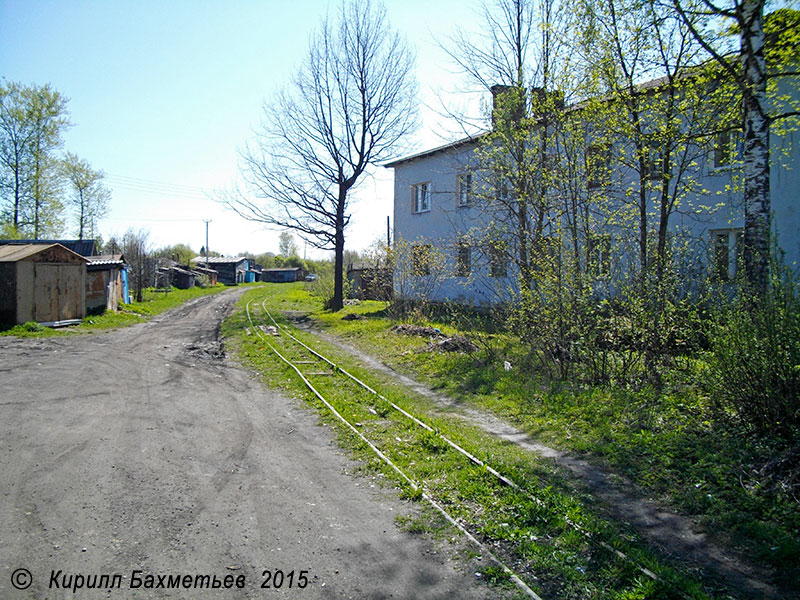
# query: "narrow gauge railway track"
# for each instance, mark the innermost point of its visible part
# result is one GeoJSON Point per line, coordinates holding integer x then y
{"type": "Point", "coordinates": [307, 364]}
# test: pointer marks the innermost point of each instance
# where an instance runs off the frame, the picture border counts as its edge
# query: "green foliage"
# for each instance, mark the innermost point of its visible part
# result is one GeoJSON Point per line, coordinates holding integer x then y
{"type": "Point", "coordinates": [323, 286]}
{"type": "Point", "coordinates": [180, 253]}
{"type": "Point", "coordinates": [666, 438]}
{"type": "Point", "coordinates": [755, 365]}
{"type": "Point", "coordinates": [33, 120]}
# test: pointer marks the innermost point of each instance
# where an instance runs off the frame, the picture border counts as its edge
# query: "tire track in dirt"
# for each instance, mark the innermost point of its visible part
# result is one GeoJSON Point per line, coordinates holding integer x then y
{"type": "Point", "coordinates": [145, 448]}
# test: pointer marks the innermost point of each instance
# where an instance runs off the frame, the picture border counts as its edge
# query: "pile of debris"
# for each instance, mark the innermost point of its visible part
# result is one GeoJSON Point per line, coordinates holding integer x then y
{"type": "Point", "coordinates": [203, 350]}
{"type": "Point", "coordinates": [439, 342]}
{"type": "Point", "coordinates": [408, 329]}
{"type": "Point", "coordinates": [456, 343]}
{"type": "Point", "coordinates": [353, 317]}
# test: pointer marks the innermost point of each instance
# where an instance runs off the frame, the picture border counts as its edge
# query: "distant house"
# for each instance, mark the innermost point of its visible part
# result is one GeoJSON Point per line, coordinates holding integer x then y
{"type": "Point", "coordinates": [106, 282]}
{"type": "Point", "coordinates": [230, 270]}
{"type": "Point", "coordinates": [41, 282]}
{"type": "Point", "coordinates": [283, 275]}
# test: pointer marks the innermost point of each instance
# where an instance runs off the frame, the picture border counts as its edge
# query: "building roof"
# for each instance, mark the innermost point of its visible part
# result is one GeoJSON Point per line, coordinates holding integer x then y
{"type": "Point", "coordinates": [17, 252]}
{"type": "Point", "coordinates": [424, 153]}
{"type": "Point", "coordinates": [82, 247]}
{"type": "Point", "coordinates": [282, 270]}
{"type": "Point", "coordinates": [216, 260]}
{"type": "Point", "coordinates": [107, 259]}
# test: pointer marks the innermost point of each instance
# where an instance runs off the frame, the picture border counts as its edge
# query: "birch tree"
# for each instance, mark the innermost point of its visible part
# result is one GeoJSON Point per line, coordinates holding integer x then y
{"type": "Point", "coordinates": [348, 108]}
{"type": "Point", "coordinates": [747, 66]}
{"type": "Point", "coordinates": [32, 122]}
{"type": "Point", "coordinates": [89, 197]}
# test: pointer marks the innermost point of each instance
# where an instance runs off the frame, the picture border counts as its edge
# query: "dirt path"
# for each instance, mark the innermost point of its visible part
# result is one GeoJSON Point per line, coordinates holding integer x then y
{"type": "Point", "coordinates": [669, 533]}
{"type": "Point", "coordinates": [145, 449]}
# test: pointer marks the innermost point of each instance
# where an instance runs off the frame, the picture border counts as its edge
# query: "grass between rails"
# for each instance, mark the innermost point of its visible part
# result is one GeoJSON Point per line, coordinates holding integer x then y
{"type": "Point", "coordinates": [667, 442]}
{"type": "Point", "coordinates": [533, 536]}
{"type": "Point", "coordinates": [152, 304]}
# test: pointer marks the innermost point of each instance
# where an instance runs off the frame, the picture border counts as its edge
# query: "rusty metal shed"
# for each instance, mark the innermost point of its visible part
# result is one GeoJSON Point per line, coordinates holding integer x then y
{"type": "Point", "coordinates": [43, 283]}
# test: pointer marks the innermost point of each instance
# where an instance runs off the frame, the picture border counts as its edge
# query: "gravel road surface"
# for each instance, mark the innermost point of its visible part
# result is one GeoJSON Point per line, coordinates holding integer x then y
{"type": "Point", "coordinates": [144, 449]}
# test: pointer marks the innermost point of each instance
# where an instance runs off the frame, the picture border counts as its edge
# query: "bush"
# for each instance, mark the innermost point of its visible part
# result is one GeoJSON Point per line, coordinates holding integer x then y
{"type": "Point", "coordinates": [755, 366]}
{"type": "Point", "coordinates": [33, 326]}
{"type": "Point", "coordinates": [323, 286]}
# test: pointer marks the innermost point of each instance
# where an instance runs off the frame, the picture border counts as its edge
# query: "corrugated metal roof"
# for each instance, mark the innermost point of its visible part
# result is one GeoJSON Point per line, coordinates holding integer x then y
{"type": "Point", "coordinates": [106, 259]}
{"type": "Point", "coordinates": [282, 270]}
{"type": "Point", "coordinates": [82, 247]}
{"type": "Point", "coordinates": [17, 252]}
{"type": "Point", "coordinates": [218, 259]}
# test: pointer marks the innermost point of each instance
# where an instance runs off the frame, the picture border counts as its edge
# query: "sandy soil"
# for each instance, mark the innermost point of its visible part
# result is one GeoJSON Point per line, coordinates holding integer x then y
{"type": "Point", "coordinates": [145, 449]}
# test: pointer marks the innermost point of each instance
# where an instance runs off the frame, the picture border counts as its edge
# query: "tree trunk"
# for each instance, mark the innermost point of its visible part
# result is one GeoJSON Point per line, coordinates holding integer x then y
{"type": "Point", "coordinates": [755, 151]}
{"type": "Point", "coordinates": [82, 218]}
{"type": "Point", "coordinates": [337, 302]}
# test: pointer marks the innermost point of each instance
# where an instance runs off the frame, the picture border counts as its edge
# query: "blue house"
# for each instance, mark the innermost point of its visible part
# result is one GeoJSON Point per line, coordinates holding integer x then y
{"type": "Point", "coordinates": [441, 209]}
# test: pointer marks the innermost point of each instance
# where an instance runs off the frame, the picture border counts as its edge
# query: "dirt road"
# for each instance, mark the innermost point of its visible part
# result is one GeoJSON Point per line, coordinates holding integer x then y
{"type": "Point", "coordinates": [142, 455]}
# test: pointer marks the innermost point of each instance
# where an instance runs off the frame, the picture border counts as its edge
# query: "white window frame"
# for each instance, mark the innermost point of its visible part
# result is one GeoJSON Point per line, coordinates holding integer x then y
{"type": "Point", "coordinates": [733, 247]}
{"type": "Point", "coordinates": [724, 151]}
{"type": "Point", "coordinates": [421, 197]}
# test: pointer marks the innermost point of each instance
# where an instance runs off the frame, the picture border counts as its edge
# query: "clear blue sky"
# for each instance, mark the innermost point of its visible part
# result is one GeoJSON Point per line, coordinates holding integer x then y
{"type": "Point", "coordinates": [162, 94]}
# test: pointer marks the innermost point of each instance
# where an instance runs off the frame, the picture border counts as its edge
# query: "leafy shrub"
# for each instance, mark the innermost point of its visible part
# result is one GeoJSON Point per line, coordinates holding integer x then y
{"type": "Point", "coordinates": [755, 367]}
{"type": "Point", "coordinates": [323, 286]}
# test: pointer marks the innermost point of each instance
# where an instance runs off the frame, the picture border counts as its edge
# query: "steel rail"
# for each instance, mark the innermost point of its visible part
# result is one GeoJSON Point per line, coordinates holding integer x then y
{"type": "Point", "coordinates": [539, 502]}
{"type": "Point", "coordinates": [416, 487]}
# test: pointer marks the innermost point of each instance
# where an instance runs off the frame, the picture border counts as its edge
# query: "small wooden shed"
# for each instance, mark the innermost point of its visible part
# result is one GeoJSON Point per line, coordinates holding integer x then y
{"type": "Point", "coordinates": [286, 275]}
{"type": "Point", "coordinates": [43, 283]}
{"type": "Point", "coordinates": [106, 285]}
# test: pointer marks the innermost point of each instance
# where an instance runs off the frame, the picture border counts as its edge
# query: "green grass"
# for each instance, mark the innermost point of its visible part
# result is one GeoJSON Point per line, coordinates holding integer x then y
{"type": "Point", "coordinates": [532, 535]}
{"type": "Point", "coordinates": [668, 442]}
{"type": "Point", "coordinates": [152, 304]}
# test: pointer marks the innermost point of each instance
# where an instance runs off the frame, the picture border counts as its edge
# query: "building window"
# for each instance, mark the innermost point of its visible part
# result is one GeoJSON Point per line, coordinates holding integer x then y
{"type": "Point", "coordinates": [600, 255]}
{"type": "Point", "coordinates": [464, 189]}
{"type": "Point", "coordinates": [463, 260]}
{"type": "Point", "coordinates": [598, 164]}
{"type": "Point", "coordinates": [653, 161]}
{"type": "Point", "coordinates": [503, 192]}
{"type": "Point", "coordinates": [420, 197]}
{"type": "Point", "coordinates": [421, 255]}
{"type": "Point", "coordinates": [727, 250]}
{"type": "Point", "coordinates": [725, 147]}
{"type": "Point", "coordinates": [498, 260]}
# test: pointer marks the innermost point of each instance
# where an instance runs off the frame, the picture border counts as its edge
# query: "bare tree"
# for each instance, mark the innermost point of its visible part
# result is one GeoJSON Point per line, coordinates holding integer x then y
{"type": "Point", "coordinates": [138, 254]}
{"type": "Point", "coordinates": [351, 102]}
{"type": "Point", "coordinates": [89, 196]}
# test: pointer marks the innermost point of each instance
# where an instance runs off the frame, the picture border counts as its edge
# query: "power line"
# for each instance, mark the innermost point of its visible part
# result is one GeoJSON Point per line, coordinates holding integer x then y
{"type": "Point", "coordinates": [159, 188]}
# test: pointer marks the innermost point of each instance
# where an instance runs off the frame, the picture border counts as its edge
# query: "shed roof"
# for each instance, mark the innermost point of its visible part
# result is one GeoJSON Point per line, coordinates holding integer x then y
{"type": "Point", "coordinates": [17, 252]}
{"type": "Point", "coordinates": [107, 259]}
{"type": "Point", "coordinates": [216, 260]}
{"type": "Point", "coordinates": [82, 247]}
{"type": "Point", "coordinates": [283, 270]}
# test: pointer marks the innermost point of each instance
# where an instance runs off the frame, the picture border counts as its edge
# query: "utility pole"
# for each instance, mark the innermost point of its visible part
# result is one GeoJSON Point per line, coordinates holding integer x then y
{"type": "Point", "coordinates": [207, 221]}
{"type": "Point", "coordinates": [388, 233]}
